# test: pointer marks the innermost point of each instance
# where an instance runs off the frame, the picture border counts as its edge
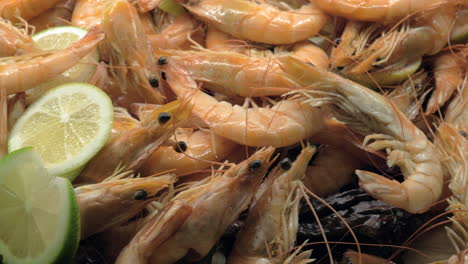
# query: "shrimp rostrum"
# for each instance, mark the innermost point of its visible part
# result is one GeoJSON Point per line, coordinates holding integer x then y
{"type": "Point", "coordinates": [190, 225]}
{"type": "Point", "coordinates": [371, 114]}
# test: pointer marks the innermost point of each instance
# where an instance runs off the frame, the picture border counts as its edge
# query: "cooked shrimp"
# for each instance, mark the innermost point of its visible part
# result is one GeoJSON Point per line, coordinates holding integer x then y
{"type": "Point", "coordinates": [375, 10]}
{"type": "Point", "coordinates": [14, 41]}
{"type": "Point", "coordinates": [20, 73]}
{"type": "Point", "coordinates": [269, 233]}
{"type": "Point", "coordinates": [24, 9]}
{"type": "Point", "coordinates": [88, 13]}
{"type": "Point", "coordinates": [179, 34]}
{"type": "Point", "coordinates": [128, 52]}
{"type": "Point", "coordinates": [371, 114]}
{"type": "Point", "coordinates": [114, 202]}
{"type": "Point", "coordinates": [347, 44]}
{"type": "Point", "coordinates": [448, 74]}
{"type": "Point", "coordinates": [129, 149]}
{"type": "Point", "coordinates": [232, 74]}
{"type": "Point", "coordinates": [217, 40]}
{"type": "Point", "coordinates": [55, 16]}
{"type": "Point", "coordinates": [259, 22]}
{"type": "Point", "coordinates": [323, 177]}
{"type": "Point", "coordinates": [284, 124]}
{"type": "Point", "coordinates": [191, 224]}
{"type": "Point", "coordinates": [192, 151]}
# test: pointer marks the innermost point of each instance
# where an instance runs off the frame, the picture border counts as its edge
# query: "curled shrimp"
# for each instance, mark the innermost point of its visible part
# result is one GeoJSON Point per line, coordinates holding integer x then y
{"type": "Point", "coordinates": [14, 41]}
{"type": "Point", "coordinates": [191, 224]}
{"type": "Point", "coordinates": [114, 202]}
{"type": "Point", "coordinates": [284, 124]}
{"type": "Point", "coordinates": [269, 233]}
{"type": "Point", "coordinates": [20, 73]}
{"type": "Point", "coordinates": [129, 148]}
{"type": "Point", "coordinates": [192, 151]}
{"type": "Point", "coordinates": [127, 50]}
{"type": "Point", "coordinates": [259, 22]}
{"type": "Point", "coordinates": [54, 17]}
{"type": "Point", "coordinates": [448, 74]}
{"type": "Point", "coordinates": [24, 9]}
{"type": "Point", "coordinates": [375, 10]}
{"type": "Point", "coordinates": [233, 74]}
{"type": "Point", "coordinates": [371, 114]}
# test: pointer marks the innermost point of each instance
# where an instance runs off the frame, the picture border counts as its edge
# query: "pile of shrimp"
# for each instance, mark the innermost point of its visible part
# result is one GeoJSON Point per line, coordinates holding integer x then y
{"type": "Point", "coordinates": [209, 99]}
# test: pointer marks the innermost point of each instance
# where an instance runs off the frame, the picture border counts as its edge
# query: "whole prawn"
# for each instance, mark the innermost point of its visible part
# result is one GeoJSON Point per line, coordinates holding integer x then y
{"type": "Point", "coordinates": [381, 122]}
{"type": "Point", "coordinates": [191, 224]}
{"type": "Point", "coordinates": [270, 229]}
{"type": "Point", "coordinates": [129, 148]}
{"type": "Point", "coordinates": [259, 22]}
{"type": "Point", "coordinates": [20, 73]}
{"type": "Point", "coordinates": [107, 204]}
{"type": "Point", "coordinates": [128, 52]}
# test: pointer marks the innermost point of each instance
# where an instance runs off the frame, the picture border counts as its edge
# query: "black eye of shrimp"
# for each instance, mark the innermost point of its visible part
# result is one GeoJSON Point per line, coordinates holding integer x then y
{"type": "Point", "coordinates": [286, 164]}
{"type": "Point", "coordinates": [154, 82]}
{"type": "Point", "coordinates": [255, 164]}
{"type": "Point", "coordinates": [162, 60]}
{"type": "Point", "coordinates": [463, 133]}
{"type": "Point", "coordinates": [180, 147]}
{"type": "Point", "coordinates": [163, 75]}
{"type": "Point", "coordinates": [337, 41]}
{"type": "Point", "coordinates": [140, 195]}
{"type": "Point", "coordinates": [164, 117]}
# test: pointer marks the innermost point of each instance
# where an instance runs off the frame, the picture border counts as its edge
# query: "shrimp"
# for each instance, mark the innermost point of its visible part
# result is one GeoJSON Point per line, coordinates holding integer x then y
{"type": "Point", "coordinates": [456, 113]}
{"type": "Point", "coordinates": [375, 10]}
{"type": "Point", "coordinates": [371, 114]}
{"type": "Point", "coordinates": [270, 230]}
{"type": "Point", "coordinates": [88, 13]}
{"type": "Point", "coordinates": [323, 177]}
{"type": "Point", "coordinates": [191, 224]}
{"type": "Point", "coordinates": [129, 149]}
{"type": "Point", "coordinates": [179, 34]}
{"type": "Point", "coordinates": [217, 40]}
{"type": "Point", "coordinates": [114, 202]}
{"type": "Point", "coordinates": [127, 50]}
{"type": "Point", "coordinates": [14, 41]}
{"type": "Point", "coordinates": [192, 151]}
{"type": "Point", "coordinates": [284, 124]}
{"type": "Point", "coordinates": [20, 73]}
{"type": "Point", "coordinates": [448, 74]}
{"type": "Point", "coordinates": [15, 10]}
{"type": "Point", "coordinates": [54, 17]}
{"type": "Point", "coordinates": [259, 22]}
{"type": "Point", "coordinates": [233, 74]}
{"type": "Point", "coordinates": [347, 44]}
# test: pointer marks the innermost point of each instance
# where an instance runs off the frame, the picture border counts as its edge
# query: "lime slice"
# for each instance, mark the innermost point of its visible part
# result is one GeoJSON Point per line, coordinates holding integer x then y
{"type": "Point", "coordinates": [67, 127]}
{"type": "Point", "coordinates": [40, 222]}
{"type": "Point", "coordinates": [59, 38]}
{"type": "Point", "coordinates": [172, 7]}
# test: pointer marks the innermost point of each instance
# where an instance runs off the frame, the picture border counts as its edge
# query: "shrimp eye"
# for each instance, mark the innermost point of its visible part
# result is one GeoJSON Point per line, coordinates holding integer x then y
{"type": "Point", "coordinates": [337, 41]}
{"type": "Point", "coordinates": [286, 164]}
{"type": "Point", "coordinates": [255, 164]}
{"type": "Point", "coordinates": [340, 68]}
{"type": "Point", "coordinates": [180, 147]}
{"type": "Point", "coordinates": [162, 60]}
{"type": "Point", "coordinates": [140, 195]}
{"type": "Point", "coordinates": [164, 117]}
{"type": "Point", "coordinates": [463, 133]}
{"type": "Point", "coordinates": [154, 82]}
{"type": "Point", "coordinates": [163, 75]}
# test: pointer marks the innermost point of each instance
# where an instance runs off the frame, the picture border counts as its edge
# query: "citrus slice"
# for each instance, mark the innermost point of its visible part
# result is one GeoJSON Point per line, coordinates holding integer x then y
{"type": "Point", "coordinates": [59, 38]}
{"type": "Point", "coordinates": [67, 126]}
{"type": "Point", "coordinates": [172, 7]}
{"type": "Point", "coordinates": [40, 221]}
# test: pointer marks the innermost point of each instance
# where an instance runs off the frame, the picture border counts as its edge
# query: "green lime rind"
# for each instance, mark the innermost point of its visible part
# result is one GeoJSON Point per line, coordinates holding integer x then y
{"type": "Point", "coordinates": [62, 245]}
{"type": "Point", "coordinates": [459, 34]}
{"type": "Point", "coordinates": [385, 78]}
{"type": "Point", "coordinates": [172, 7]}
